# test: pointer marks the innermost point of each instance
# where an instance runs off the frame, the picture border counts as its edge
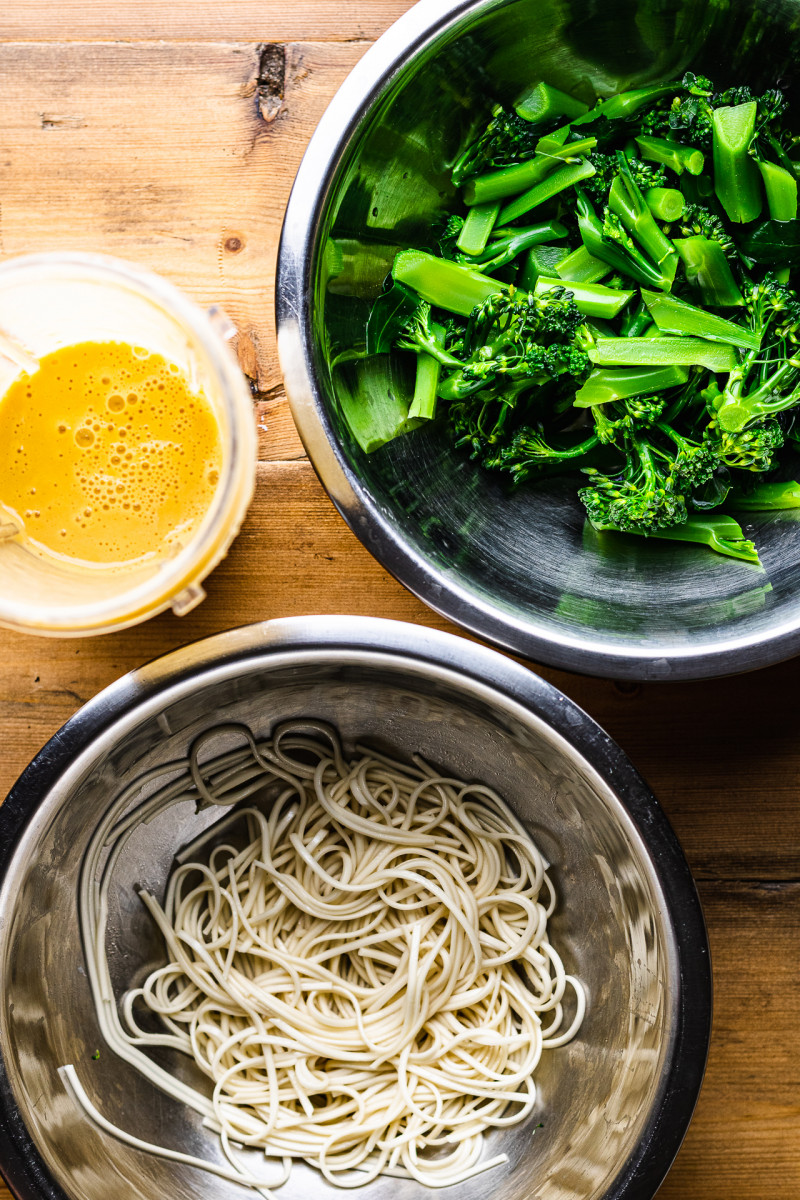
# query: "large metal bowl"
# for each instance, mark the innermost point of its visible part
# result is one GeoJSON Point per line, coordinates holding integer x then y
{"type": "Point", "coordinates": [614, 1104]}
{"type": "Point", "coordinates": [522, 571]}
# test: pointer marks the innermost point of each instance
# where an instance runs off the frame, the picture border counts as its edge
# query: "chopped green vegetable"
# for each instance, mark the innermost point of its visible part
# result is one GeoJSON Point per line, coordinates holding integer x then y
{"type": "Point", "coordinates": [662, 352]}
{"type": "Point", "coordinates": [510, 181]}
{"type": "Point", "coordinates": [445, 284]}
{"type": "Point", "coordinates": [478, 227]}
{"type": "Point", "coordinates": [721, 534]}
{"type": "Point", "coordinates": [707, 272]}
{"type": "Point", "coordinates": [561, 179]}
{"type": "Point", "coordinates": [736, 178]}
{"type": "Point", "coordinates": [428, 371]}
{"type": "Point", "coordinates": [672, 315]}
{"type": "Point", "coordinates": [541, 260]}
{"type": "Point", "coordinates": [606, 386]}
{"type": "Point", "coordinates": [592, 299]}
{"type": "Point", "coordinates": [666, 204]}
{"type": "Point", "coordinates": [544, 103]}
{"type": "Point", "coordinates": [678, 158]}
{"type": "Point", "coordinates": [580, 267]}
{"type": "Point", "coordinates": [674, 383]}
{"type": "Point", "coordinates": [781, 188]}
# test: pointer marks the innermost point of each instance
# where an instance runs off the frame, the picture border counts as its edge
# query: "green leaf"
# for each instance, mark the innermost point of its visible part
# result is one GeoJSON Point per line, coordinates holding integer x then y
{"type": "Point", "coordinates": [766, 497]}
{"type": "Point", "coordinates": [772, 243]}
{"type": "Point", "coordinates": [721, 534]}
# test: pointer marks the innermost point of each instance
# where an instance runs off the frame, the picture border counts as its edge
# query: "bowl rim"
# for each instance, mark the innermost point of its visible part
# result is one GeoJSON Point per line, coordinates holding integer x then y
{"type": "Point", "coordinates": [638, 1179]}
{"type": "Point", "coordinates": [327, 152]}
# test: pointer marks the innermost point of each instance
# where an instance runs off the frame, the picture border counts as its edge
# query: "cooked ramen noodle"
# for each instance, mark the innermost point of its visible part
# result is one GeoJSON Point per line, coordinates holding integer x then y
{"type": "Point", "coordinates": [357, 959]}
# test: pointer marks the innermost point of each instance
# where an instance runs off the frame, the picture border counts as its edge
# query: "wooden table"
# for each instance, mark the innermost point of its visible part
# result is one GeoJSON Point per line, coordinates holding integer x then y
{"type": "Point", "coordinates": [169, 133]}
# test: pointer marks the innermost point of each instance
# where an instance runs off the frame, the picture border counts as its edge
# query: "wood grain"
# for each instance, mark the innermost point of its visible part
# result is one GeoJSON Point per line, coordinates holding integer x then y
{"type": "Point", "coordinates": [86, 167]}
{"type": "Point", "coordinates": [199, 20]}
{"type": "Point", "coordinates": [743, 1143]}
{"type": "Point", "coordinates": [170, 135]}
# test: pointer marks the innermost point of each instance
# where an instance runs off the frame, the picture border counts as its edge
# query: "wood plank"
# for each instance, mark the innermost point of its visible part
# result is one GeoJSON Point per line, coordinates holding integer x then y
{"type": "Point", "coordinates": [744, 1141]}
{"type": "Point", "coordinates": [85, 166]}
{"type": "Point", "coordinates": [296, 555]}
{"type": "Point", "coordinates": [170, 134]}
{"type": "Point", "coordinates": [198, 20]}
{"type": "Point", "coordinates": [723, 758]}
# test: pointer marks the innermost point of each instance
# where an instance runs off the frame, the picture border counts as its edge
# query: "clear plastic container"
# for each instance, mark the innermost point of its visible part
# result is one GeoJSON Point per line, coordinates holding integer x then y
{"type": "Point", "coordinates": [48, 301]}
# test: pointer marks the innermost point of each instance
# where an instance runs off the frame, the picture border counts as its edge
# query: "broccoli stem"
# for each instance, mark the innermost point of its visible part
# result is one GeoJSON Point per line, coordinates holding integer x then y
{"type": "Point", "coordinates": [721, 534]}
{"type": "Point", "coordinates": [429, 369]}
{"type": "Point", "coordinates": [445, 284]}
{"type": "Point", "coordinates": [626, 104]}
{"type": "Point", "coordinates": [615, 108]}
{"type": "Point", "coordinates": [545, 103]}
{"type": "Point", "coordinates": [626, 200]}
{"type": "Point", "coordinates": [666, 204]}
{"type": "Point", "coordinates": [541, 260]}
{"type": "Point", "coordinates": [508, 245]}
{"type": "Point", "coordinates": [510, 181]}
{"type": "Point", "coordinates": [781, 189]}
{"type": "Point", "coordinates": [635, 323]}
{"type": "Point", "coordinates": [697, 189]}
{"type": "Point", "coordinates": [672, 315]}
{"type": "Point", "coordinates": [477, 227]}
{"type": "Point", "coordinates": [592, 299]}
{"type": "Point", "coordinates": [663, 352]}
{"type": "Point", "coordinates": [678, 158]}
{"type": "Point", "coordinates": [630, 261]}
{"type": "Point", "coordinates": [580, 267]}
{"type": "Point", "coordinates": [551, 143]}
{"type": "Point", "coordinates": [561, 179]}
{"type": "Point", "coordinates": [542, 231]}
{"type": "Point", "coordinates": [766, 497]}
{"type": "Point", "coordinates": [620, 383]}
{"type": "Point", "coordinates": [736, 178]}
{"type": "Point", "coordinates": [707, 271]}
{"type": "Point", "coordinates": [737, 411]}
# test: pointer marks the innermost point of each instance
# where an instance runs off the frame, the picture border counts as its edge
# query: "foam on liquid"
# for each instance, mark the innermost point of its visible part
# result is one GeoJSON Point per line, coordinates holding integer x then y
{"type": "Point", "coordinates": [107, 455]}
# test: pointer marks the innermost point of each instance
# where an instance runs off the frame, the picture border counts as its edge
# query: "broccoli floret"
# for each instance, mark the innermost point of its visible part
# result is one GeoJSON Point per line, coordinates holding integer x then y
{"type": "Point", "coordinates": [529, 455]}
{"type": "Point", "coordinates": [685, 117]}
{"type": "Point", "coordinates": [448, 234]}
{"type": "Point", "coordinates": [751, 449]}
{"type": "Point", "coordinates": [774, 308]}
{"type": "Point", "coordinates": [697, 85]}
{"type": "Point", "coordinates": [694, 462]}
{"type": "Point", "coordinates": [504, 320]}
{"type": "Point", "coordinates": [613, 422]}
{"type": "Point", "coordinates": [419, 336]}
{"type": "Point", "coordinates": [527, 338]}
{"type": "Point", "coordinates": [644, 497]}
{"type": "Point", "coordinates": [645, 174]}
{"type": "Point", "coordinates": [767, 380]}
{"type": "Point", "coordinates": [510, 345]}
{"type": "Point", "coordinates": [507, 139]}
{"type": "Point", "coordinates": [699, 221]}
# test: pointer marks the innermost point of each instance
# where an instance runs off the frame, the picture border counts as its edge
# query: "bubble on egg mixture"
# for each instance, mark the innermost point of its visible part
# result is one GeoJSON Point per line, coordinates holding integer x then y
{"type": "Point", "coordinates": [144, 460]}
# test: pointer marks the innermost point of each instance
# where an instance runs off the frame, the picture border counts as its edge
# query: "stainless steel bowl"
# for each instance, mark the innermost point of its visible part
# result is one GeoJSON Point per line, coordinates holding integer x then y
{"type": "Point", "coordinates": [522, 571]}
{"type": "Point", "coordinates": [614, 1104]}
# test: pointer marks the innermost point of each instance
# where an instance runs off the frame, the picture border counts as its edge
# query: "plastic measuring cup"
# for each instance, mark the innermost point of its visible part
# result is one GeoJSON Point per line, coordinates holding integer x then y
{"type": "Point", "coordinates": [48, 301]}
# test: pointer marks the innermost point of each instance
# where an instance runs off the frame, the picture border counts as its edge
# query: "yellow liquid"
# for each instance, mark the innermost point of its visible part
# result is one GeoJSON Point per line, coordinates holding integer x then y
{"type": "Point", "coordinates": [106, 455]}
